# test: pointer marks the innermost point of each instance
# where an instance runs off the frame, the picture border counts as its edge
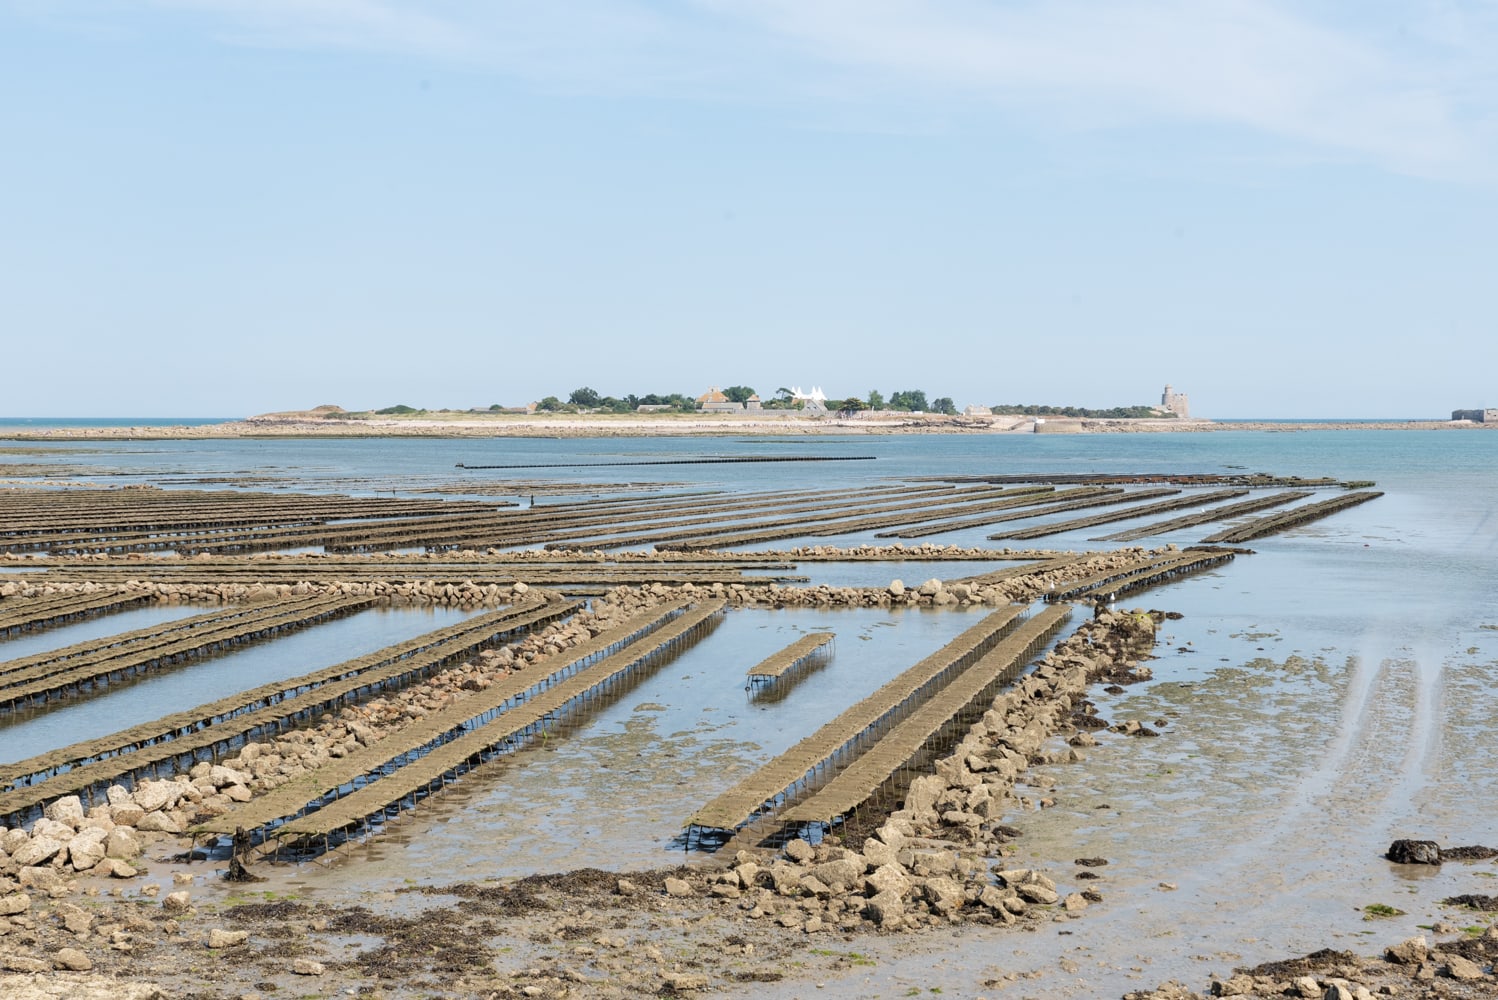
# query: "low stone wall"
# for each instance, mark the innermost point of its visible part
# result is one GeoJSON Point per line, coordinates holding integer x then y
{"type": "Point", "coordinates": [928, 862]}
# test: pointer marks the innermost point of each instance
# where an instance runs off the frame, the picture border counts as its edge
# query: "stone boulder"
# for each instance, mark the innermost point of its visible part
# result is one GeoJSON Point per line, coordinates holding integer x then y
{"type": "Point", "coordinates": [944, 895]}
{"type": "Point", "coordinates": [1411, 951]}
{"type": "Point", "coordinates": [87, 849]}
{"type": "Point", "coordinates": [72, 960]}
{"type": "Point", "coordinates": [122, 843]}
{"type": "Point", "coordinates": [152, 796]}
{"type": "Point", "coordinates": [885, 909]}
{"type": "Point", "coordinates": [220, 938]}
{"type": "Point", "coordinates": [1414, 852]}
{"type": "Point", "coordinates": [128, 814]}
{"type": "Point", "coordinates": [889, 878]}
{"type": "Point", "coordinates": [160, 822]}
{"type": "Point", "coordinates": [843, 871]}
{"type": "Point", "coordinates": [1463, 969]}
{"type": "Point", "coordinates": [799, 851]}
{"type": "Point", "coordinates": [67, 810]}
{"type": "Point", "coordinates": [36, 851]}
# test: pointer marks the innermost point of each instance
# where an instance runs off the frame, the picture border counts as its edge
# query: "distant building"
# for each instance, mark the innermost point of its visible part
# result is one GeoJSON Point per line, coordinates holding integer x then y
{"type": "Point", "coordinates": [811, 402]}
{"type": "Point", "coordinates": [976, 411]}
{"type": "Point", "coordinates": [713, 401]}
{"type": "Point", "coordinates": [1175, 402]}
{"type": "Point", "coordinates": [1476, 416]}
{"type": "Point", "coordinates": [754, 403]}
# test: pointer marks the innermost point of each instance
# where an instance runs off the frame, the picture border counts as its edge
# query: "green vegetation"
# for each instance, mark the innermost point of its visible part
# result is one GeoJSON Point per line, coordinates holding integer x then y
{"type": "Point", "coordinates": [1377, 911]}
{"type": "Point", "coordinates": [1112, 413]}
{"type": "Point", "coordinates": [400, 408]}
{"type": "Point", "coordinates": [850, 406]}
{"type": "Point", "coordinates": [909, 400]}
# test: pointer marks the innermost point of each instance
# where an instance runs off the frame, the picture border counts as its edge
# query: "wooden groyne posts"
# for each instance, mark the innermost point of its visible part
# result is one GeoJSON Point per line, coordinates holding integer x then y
{"type": "Point", "coordinates": [178, 741]}
{"type": "Point", "coordinates": [859, 725]}
{"type": "Point", "coordinates": [929, 728]}
{"type": "Point", "coordinates": [1030, 505]}
{"type": "Point", "coordinates": [77, 521]}
{"type": "Point", "coordinates": [153, 638]}
{"type": "Point", "coordinates": [822, 516]}
{"type": "Point", "coordinates": [320, 808]}
{"type": "Point", "coordinates": [1273, 523]}
{"type": "Point", "coordinates": [1115, 583]}
{"type": "Point", "coordinates": [791, 659]}
{"type": "Point", "coordinates": [1205, 516]}
{"type": "Point", "coordinates": [25, 614]}
{"type": "Point", "coordinates": [1124, 514]}
{"type": "Point", "coordinates": [43, 682]}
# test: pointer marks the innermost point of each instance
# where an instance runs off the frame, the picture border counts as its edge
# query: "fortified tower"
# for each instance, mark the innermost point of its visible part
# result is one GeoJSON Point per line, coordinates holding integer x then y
{"type": "Point", "coordinates": [1175, 402]}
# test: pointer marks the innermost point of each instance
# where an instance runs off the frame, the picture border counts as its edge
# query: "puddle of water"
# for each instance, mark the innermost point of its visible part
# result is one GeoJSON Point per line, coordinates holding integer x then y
{"type": "Point", "coordinates": [618, 787]}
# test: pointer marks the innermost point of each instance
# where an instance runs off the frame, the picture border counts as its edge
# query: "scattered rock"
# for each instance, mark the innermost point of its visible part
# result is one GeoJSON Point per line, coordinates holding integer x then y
{"type": "Point", "coordinates": [681, 982]}
{"type": "Point", "coordinates": [220, 938]}
{"type": "Point", "coordinates": [799, 851]}
{"type": "Point", "coordinates": [1461, 968]}
{"type": "Point", "coordinates": [1411, 951]}
{"type": "Point", "coordinates": [1414, 852]}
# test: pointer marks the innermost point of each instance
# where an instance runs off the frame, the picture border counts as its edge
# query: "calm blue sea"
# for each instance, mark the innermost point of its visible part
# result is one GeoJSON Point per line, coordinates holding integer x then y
{"type": "Point", "coordinates": [38, 423]}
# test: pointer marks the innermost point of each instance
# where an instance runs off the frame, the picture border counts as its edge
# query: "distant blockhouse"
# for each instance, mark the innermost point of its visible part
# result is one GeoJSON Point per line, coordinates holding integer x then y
{"type": "Point", "coordinates": [1175, 402]}
{"type": "Point", "coordinates": [1476, 416]}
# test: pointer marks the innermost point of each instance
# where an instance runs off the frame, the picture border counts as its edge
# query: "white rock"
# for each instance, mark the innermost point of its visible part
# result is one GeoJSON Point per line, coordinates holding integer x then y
{"type": "Point", "coordinates": [67, 810]}
{"type": "Point", "coordinates": [154, 795]}
{"type": "Point", "coordinates": [36, 851]}
{"type": "Point", "coordinates": [220, 938]}
{"type": "Point", "coordinates": [87, 849]}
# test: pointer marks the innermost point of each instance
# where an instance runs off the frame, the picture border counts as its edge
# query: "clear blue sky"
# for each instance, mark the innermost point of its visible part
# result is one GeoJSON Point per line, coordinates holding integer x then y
{"type": "Point", "coordinates": [225, 207]}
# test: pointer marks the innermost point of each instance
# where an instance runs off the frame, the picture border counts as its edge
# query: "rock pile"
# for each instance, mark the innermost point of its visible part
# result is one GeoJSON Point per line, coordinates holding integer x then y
{"type": "Point", "coordinates": [928, 862]}
{"type": "Point", "coordinates": [107, 837]}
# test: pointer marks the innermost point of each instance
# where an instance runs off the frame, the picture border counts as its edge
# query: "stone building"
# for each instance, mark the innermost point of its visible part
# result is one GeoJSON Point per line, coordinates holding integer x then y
{"type": "Point", "coordinates": [713, 401]}
{"type": "Point", "coordinates": [1476, 416]}
{"type": "Point", "coordinates": [1175, 402]}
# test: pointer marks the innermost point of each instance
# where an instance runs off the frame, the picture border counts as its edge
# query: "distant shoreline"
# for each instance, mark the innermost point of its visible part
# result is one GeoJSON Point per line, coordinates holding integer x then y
{"type": "Point", "coordinates": [784, 424]}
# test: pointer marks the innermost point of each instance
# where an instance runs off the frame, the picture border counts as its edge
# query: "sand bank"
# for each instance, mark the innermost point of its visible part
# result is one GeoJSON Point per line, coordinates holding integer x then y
{"type": "Point", "coordinates": [561, 425]}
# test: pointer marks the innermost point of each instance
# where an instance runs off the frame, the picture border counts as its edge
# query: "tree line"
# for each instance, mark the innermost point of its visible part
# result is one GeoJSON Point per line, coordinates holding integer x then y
{"type": "Point", "coordinates": [589, 400]}
{"type": "Point", "coordinates": [1111, 413]}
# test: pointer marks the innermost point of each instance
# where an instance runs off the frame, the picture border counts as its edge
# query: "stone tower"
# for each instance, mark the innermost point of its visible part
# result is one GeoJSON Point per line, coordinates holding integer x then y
{"type": "Point", "coordinates": [1175, 402]}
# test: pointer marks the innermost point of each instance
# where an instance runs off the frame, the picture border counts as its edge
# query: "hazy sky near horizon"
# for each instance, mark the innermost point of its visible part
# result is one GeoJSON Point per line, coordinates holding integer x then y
{"type": "Point", "coordinates": [226, 207]}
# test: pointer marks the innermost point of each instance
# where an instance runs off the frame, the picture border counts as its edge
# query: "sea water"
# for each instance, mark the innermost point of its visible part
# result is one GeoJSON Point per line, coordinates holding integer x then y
{"type": "Point", "coordinates": [1319, 698]}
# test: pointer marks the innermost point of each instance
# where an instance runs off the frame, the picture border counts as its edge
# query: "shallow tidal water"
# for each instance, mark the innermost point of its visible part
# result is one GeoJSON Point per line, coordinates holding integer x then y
{"type": "Point", "coordinates": [1324, 696]}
